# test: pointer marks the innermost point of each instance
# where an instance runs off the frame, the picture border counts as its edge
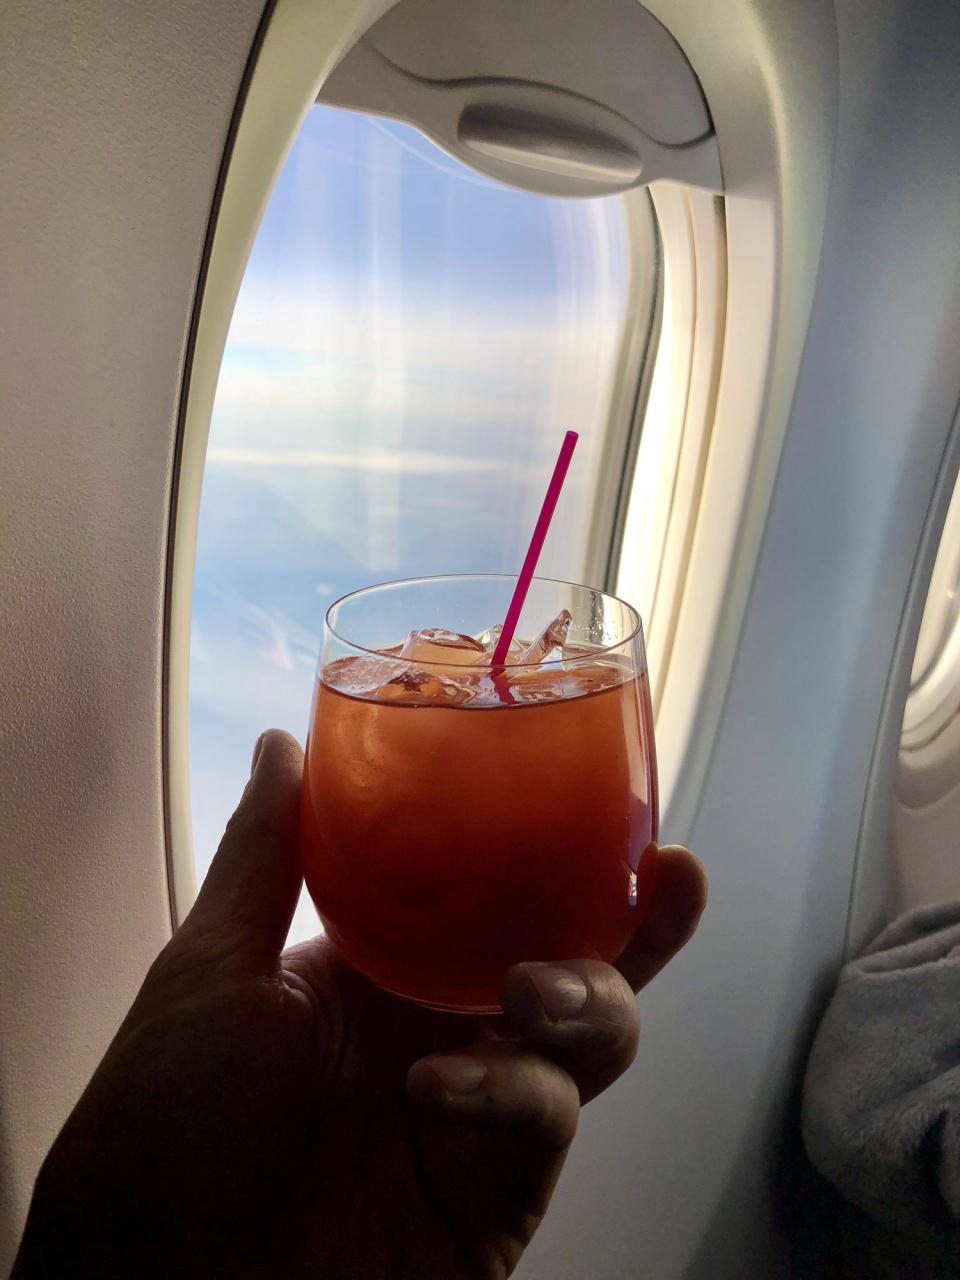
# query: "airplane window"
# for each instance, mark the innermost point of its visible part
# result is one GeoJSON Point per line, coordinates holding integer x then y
{"type": "Point", "coordinates": [922, 865]}
{"type": "Point", "coordinates": [409, 343]}
{"type": "Point", "coordinates": [935, 676]}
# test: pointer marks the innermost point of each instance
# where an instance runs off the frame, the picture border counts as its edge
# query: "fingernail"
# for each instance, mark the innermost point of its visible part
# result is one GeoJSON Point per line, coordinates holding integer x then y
{"type": "Point", "coordinates": [458, 1074]}
{"type": "Point", "coordinates": [256, 754]}
{"type": "Point", "coordinates": [563, 994]}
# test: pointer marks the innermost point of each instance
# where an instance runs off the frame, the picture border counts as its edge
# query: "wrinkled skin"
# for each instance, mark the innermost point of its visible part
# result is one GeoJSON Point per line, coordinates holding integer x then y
{"type": "Point", "coordinates": [267, 1115]}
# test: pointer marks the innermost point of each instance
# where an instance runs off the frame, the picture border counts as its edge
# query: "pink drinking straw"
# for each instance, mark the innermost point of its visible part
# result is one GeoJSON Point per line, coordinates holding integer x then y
{"type": "Point", "coordinates": [533, 551]}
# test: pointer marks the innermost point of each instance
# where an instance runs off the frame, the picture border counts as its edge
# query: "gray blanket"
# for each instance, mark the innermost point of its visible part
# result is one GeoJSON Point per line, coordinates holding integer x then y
{"type": "Point", "coordinates": [881, 1102]}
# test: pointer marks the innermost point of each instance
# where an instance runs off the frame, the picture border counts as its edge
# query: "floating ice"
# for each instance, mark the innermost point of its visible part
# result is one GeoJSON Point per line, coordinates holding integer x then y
{"type": "Point", "coordinates": [360, 677]}
{"type": "Point", "coordinates": [489, 640]}
{"type": "Point", "coordinates": [422, 687]}
{"type": "Point", "coordinates": [422, 671]}
{"type": "Point", "coordinates": [434, 644]}
{"type": "Point", "coordinates": [548, 646]}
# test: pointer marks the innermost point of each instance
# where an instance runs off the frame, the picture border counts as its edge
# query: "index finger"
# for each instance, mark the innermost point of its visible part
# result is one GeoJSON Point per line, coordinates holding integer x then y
{"type": "Point", "coordinates": [679, 897]}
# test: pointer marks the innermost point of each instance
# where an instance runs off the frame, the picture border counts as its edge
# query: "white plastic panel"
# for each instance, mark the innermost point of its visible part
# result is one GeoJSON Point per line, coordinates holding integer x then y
{"type": "Point", "coordinates": [113, 121]}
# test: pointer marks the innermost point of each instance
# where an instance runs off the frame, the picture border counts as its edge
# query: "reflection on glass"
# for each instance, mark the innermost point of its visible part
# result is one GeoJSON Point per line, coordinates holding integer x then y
{"type": "Point", "coordinates": [409, 343]}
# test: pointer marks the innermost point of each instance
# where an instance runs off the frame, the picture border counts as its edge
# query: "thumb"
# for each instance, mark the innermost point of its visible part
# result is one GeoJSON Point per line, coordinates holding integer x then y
{"type": "Point", "coordinates": [247, 900]}
{"type": "Point", "coordinates": [493, 1128]}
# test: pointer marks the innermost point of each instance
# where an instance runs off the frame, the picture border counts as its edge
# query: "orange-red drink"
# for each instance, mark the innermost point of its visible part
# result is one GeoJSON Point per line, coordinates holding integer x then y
{"type": "Point", "coordinates": [456, 821]}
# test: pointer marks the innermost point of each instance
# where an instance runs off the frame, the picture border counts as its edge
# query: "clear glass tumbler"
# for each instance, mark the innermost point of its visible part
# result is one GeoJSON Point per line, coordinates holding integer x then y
{"type": "Point", "coordinates": [458, 818]}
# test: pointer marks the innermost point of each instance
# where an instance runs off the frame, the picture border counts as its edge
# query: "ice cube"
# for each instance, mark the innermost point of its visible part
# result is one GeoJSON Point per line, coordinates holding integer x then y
{"type": "Point", "coordinates": [360, 677]}
{"type": "Point", "coordinates": [490, 637]}
{"type": "Point", "coordinates": [548, 646]}
{"type": "Point", "coordinates": [571, 678]}
{"type": "Point", "coordinates": [425, 688]}
{"type": "Point", "coordinates": [448, 648]}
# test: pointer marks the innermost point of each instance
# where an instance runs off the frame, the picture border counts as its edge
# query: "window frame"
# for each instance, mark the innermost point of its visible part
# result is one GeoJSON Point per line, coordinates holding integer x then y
{"type": "Point", "coordinates": [630, 391]}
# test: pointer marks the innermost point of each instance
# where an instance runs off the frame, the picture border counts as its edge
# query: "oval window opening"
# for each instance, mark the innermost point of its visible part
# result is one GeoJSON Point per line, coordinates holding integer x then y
{"type": "Point", "coordinates": [410, 341]}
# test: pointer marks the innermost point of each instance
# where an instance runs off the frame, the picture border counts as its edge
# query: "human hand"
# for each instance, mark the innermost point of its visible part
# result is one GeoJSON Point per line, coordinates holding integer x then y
{"type": "Point", "coordinates": [261, 1115]}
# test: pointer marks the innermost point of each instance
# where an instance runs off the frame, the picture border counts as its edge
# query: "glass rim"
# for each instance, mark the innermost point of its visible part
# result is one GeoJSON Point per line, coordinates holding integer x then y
{"type": "Point", "coordinates": [635, 633]}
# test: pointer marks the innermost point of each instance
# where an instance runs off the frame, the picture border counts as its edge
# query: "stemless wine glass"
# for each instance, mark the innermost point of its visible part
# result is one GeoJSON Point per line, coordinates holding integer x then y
{"type": "Point", "coordinates": [458, 819]}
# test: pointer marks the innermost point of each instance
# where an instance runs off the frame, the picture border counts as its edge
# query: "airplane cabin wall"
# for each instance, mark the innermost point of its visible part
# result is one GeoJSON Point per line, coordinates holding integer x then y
{"type": "Point", "coordinates": [113, 123]}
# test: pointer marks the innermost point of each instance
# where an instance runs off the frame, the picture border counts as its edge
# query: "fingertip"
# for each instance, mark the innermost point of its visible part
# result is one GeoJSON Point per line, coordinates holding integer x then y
{"type": "Point", "coordinates": [677, 902]}
{"type": "Point", "coordinates": [273, 790]}
{"type": "Point", "coordinates": [250, 890]}
{"type": "Point", "coordinates": [680, 893]}
{"type": "Point", "coordinates": [276, 749]}
{"type": "Point", "coordinates": [270, 800]}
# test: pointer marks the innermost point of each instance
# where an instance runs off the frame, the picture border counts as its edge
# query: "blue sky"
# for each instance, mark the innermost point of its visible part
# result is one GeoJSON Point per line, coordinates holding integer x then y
{"type": "Point", "coordinates": [410, 342]}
